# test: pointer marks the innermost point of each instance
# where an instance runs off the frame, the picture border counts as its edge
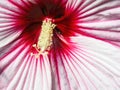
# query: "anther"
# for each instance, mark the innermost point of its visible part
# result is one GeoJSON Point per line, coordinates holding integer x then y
{"type": "Point", "coordinates": [45, 38]}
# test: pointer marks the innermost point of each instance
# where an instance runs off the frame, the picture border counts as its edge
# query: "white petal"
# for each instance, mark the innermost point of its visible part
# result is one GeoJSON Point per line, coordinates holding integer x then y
{"type": "Point", "coordinates": [101, 19]}
{"type": "Point", "coordinates": [98, 62]}
{"type": "Point", "coordinates": [20, 71]}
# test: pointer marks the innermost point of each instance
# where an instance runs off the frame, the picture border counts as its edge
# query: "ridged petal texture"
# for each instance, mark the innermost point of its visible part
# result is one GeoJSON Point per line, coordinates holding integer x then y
{"type": "Point", "coordinates": [85, 54]}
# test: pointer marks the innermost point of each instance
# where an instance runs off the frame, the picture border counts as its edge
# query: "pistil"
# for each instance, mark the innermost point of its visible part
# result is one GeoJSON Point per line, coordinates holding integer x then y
{"type": "Point", "coordinates": [45, 38]}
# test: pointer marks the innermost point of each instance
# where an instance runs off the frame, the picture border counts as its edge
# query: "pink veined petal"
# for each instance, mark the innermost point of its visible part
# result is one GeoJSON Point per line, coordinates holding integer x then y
{"type": "Point", "coordinates": [104, 60]}
{"type": "Point", "coordinates": [85, 67]}
{"type": "Point", "coordinates": [101, 19]}
{"type": "Point", "coordinates": [20, 71]}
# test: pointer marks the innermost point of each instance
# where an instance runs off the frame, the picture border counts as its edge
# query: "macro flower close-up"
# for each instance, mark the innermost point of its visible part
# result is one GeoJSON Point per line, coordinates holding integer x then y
{"type": "Point", "coordinates": [59, 44]}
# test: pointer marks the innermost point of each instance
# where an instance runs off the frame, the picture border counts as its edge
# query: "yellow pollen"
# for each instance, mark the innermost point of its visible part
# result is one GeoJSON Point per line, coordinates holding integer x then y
{"type": "Point", "coordinates": [45, 38]}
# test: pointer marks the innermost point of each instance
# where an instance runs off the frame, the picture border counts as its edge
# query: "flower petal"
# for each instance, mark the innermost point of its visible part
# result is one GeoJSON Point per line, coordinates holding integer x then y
{"type": "Point", "coordinates": [19, 70]}
{"type": "Point", "coordinates": [101, 19]}
{"type": "Point", "coordinates": [83, 66]}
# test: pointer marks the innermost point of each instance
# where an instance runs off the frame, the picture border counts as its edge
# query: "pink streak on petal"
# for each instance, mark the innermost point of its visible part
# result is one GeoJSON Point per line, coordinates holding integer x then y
{"type": "Point", "coordinates": [25, 71]}
{"type": "Point", "coordinates": [101, 59]}
{"type": "Point", "coordinates": [101, 20]}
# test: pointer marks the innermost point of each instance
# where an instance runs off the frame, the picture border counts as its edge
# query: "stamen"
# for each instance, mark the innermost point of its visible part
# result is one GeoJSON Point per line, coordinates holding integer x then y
{"type": "Point", "coordinates": [45, 38]}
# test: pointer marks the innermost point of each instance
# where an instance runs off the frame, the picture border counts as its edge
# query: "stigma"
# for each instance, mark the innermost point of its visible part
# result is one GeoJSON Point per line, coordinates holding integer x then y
{"type": "Point", "coordinates": [44, 42]}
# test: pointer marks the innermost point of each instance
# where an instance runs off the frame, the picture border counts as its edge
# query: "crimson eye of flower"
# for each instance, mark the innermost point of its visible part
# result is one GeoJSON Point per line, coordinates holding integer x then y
{"type": "Point", "coordinates": [42, 22]}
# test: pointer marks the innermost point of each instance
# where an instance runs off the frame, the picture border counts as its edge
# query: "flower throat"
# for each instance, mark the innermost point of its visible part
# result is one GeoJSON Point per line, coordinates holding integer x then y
{"type": "Point", "coordinates": [45, 38]}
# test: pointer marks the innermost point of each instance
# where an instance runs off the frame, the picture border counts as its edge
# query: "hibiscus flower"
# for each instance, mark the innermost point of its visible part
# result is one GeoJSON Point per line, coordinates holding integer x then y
{"type": "Point", "coordinates": [59, 45]}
